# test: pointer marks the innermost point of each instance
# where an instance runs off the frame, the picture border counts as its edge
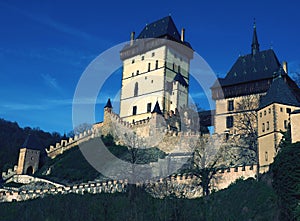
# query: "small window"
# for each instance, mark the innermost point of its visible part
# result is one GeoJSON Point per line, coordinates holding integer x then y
{"type": "Point", "coordinates": [288, 110]}
{"type": "Point", "coordinates": [266, 156]}
{"type": "Point", "coordinates": [143, 58]}
{"type": "Point", "coordinates": [269, 110]}
{"type": "Point", "coordinates": [173, 66]}
{"type": "Point", "coordinates": [260, 114]}
{"type": "Point", "coordinates": [132, 74]}
{"type": "Point", "coordinates": [151, 81]}
{"type": "Point", "coordinates": [153, 54]}
{"type": "Point", "coordinates": [136, 89]}
{"type": "Point", "coordinates": [137, 72]}
{"type": "Point", "coordinates": [285, 124]}
{"type": "Point", "coordinates": [132, 61]}
{"type": "Point", "coordinates": [149, 66]}
{"type": "Point", "coordinates": [263, 127]}
{"type": "Point", "coordinates": [229, 121]}
{"type": "Point", "coordinates": [134, 109]}
{"type": "Point", "coordinates": [179, 71]}
{"type": "Point", "coordinates": [268, 125]}
{"type": "Point", "coordinates": [146, 78]}
{"type": "Point", "coordinates": [230, 105]}
{"type": "Point", "coordinates": [156, 64]}
{"type": "Point", "coordinates": [265, 112]}
{"type": "Point", "coordinates": [281, 109]}
{"type": "Point", "coordinates": [148, 107]}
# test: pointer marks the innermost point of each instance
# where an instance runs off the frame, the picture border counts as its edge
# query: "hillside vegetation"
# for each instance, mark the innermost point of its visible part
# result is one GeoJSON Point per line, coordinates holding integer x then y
{"type": "Point", "coordinates": [12, 138]}
{"type": "Point", "coordinates": [245, 200]}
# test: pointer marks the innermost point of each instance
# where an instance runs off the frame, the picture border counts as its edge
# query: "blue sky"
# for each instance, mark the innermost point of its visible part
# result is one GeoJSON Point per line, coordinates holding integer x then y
{"type": "Point", "coordinates": [46, 45]}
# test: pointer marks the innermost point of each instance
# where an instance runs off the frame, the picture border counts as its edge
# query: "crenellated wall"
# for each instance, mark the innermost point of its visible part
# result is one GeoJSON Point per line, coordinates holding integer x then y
{"type": "Point", "coordinates": [10, 172]}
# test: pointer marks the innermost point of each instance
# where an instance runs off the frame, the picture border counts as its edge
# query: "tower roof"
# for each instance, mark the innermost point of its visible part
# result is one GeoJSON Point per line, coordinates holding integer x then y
{"type": "Point", "coordinates": [180, 79]}
{"type": "Point", "coordinates": [156, 108]}
{"type": "Point", "coordinates": [162, 28]}
{"type": "Point", "coordinates": [279, 92]}
{"type": "Point", "coordinates": [31, 142]}
{"type": "Point", "coordinates": [108, 104]}
{"type": "Point", "coordinates": [255, 44]}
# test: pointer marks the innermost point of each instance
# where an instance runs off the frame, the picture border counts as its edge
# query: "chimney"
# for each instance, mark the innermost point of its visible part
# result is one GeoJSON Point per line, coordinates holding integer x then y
{"type": "Point", "coordinates": [285, 66]}
{"type": "Point", "coordinates": [182, 34]}
{"type": "Point", "coordinates": [132, 38]}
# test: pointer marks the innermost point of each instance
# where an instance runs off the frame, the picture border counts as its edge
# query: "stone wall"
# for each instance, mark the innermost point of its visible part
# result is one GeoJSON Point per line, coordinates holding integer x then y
{"type": "Point", "coordinates": [10, 172]}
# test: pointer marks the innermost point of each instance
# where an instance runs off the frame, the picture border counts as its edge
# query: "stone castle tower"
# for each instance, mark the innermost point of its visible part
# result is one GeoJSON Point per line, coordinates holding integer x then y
{"type": "Point", "coordinates": [155, 69]}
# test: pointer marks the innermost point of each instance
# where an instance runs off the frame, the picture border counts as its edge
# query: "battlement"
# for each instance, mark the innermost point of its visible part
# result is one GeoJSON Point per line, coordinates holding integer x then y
{"type": "Point", "coordinates": [59, 148]}
{"type": "Point", "coordinates": [110, 186]}
{"type": "Point", "coordinates": [10, 172]}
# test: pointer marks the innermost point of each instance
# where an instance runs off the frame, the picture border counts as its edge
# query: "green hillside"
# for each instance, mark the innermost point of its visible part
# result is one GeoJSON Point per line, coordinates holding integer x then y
{"type": "Point", "coordinates": [245, 200]}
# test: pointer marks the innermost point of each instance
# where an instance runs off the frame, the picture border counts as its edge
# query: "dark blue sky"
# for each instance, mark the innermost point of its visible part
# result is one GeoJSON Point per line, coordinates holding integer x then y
{"type": "Point", "coordinates": [46, 45]}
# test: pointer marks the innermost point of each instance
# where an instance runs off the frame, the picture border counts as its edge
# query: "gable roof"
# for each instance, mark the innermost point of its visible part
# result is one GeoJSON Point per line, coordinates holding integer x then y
{"type": "Point", "coordinates": [162, 28]}
{"type": "Point", "coordinates": [180, 79]}
{"type": "Point", "coordinates": [252, 67]}
{"type": "Point", "coordinates": [279, 92]}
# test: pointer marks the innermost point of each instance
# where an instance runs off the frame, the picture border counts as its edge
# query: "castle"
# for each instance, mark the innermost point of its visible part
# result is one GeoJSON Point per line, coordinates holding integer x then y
{"type": "Point", "coordinates": [255, 102]}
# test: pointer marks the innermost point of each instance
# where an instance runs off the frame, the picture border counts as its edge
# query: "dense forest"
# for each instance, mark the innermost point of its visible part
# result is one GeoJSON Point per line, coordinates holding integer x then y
{"type": "Point", "coordinates": [12, 137]}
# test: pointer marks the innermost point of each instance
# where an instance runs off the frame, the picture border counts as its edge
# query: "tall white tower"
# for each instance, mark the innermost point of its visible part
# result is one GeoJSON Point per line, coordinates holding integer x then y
{"type": "Point", "coordinates": [155, 68]}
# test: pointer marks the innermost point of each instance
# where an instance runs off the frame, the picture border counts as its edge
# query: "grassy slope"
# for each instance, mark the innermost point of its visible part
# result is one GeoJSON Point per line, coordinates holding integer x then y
{"type": "Point", "coordinates": [245, 200]}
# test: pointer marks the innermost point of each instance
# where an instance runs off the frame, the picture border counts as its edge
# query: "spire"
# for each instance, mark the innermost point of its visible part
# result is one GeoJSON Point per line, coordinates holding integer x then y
{"type": "Point", "coordinates": [156, 109]}
{"type": "Point", "coordinates": [108, 104]}
{"type": "Point", "coordinates": [255, 44]}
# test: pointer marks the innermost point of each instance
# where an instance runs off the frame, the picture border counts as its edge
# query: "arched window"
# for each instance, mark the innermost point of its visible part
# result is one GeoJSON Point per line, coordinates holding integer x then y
{"type": "Point", "coordinates": [136, 89]}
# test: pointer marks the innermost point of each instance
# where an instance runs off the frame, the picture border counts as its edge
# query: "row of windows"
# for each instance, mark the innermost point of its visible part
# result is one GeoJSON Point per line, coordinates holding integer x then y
{"type": "Point", "coordinates": [265, 126]}
{"type": "Point", "coordinates": [142, 58]}
{"type": "Point", "coordinates": [288, 110]}
{"type": "Point", "coordinates": [149, 68]}
{"type": "Point", "coordinates": [134, 109]}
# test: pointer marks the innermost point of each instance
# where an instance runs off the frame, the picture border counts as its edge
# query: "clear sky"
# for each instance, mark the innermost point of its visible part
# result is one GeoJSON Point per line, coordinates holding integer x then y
{"type": "Point", "coordinates": [46, 45]}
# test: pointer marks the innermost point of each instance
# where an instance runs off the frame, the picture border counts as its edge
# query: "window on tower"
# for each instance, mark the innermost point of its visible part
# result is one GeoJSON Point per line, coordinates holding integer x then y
{"type": "Point", "coordinates": [148, 107]}
{"type": "Point", "coordinates": [156, 64]}
{"type": "Point", "coordinates": [230, 105]}
{"type": "Point", "coordinates": [229, 121]}
{"type": "Point", "coordinates": [134, 109]}
{"type": "Point", "coordinates": [149, 66]}
{"type": "Point", "coordinates": [136, 89]}
{"type": "Point", "coordinates": [179, 71]}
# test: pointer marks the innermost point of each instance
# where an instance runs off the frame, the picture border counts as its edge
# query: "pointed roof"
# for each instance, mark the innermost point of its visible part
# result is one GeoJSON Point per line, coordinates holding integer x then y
{"type": "Point", "coordinates": [162, 28]}
{"type": "Point", "coordinates": [180, 79]}
{"type": "Point", "coordinates": [156, 109]}
{"type": "Point", "coordinates": [255, 44]}
{"type": "Point", "coordinates": [108, 104]}
{"type": "Point", "coordinates": [279, 92]}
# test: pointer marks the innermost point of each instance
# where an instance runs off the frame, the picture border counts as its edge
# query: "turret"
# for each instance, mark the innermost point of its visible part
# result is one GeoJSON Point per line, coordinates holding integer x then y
{"type": "Point", "coordinates": [255, 44]}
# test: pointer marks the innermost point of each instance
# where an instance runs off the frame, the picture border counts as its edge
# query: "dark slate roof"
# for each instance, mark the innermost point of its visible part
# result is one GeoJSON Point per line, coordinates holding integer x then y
{"type": "Point", "coordinates": [279, 92]}
{"type": "Point", "coordinates": [156, 108]}
{"type": "Point", "coordinates": [31, 142]}
{"type": "Point", "coordinates": [108, 104]}
{"type": "Point", "coordinates": [180, 79]}
{"type": "Point", "coordinates": [162, 28]}
{"type": "Point", "coordinates": [252, 67]}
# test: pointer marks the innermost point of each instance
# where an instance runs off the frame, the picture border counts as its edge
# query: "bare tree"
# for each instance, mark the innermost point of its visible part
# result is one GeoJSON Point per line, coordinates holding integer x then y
{"type": "Point", "coordinates": [207, 156]}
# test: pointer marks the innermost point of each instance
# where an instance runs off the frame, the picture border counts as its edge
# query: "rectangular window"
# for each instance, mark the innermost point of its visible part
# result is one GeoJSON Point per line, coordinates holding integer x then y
{"type": "Point", "coordinates": [281, 110]}
{"type": "Point", "coordinates": [149, 66]}
{"type": "Point", "coordinates": [148, 107]}
{"type": "Point", "coordinates": [285, 124]}
{"type": "Point", "coordinates": [263, 127]}
{"type": "Point", "coordinates": [269, 110]}
{"type": "Point", "coordinates": [132, 61]}
{"type": "Point", "coordinates": [156, 64]}
{"type": "Point", "coordinates": [143, 57]}
{"type": "Point", "coordinates": [288, 110]}
{"type": "Point", "coordinates": [179, 71]}
{"type": "Point", "coordinates": [260, 114]}
{"type": "Point", "coordinates": [266, 156]}
{"type": "Point", "coordinates": [230, 105]}
{"type": "Point", "coordinates": [265, 113]}
{"type": "Point", "coordinates": [229, 121]}
{"type": "Point", "coordinates": [153, 54]}
{"type": "Point", "coordinates": [137, 72]}
{"type": "Point", "coordinates": [268, 125]}
{"type": "Point", "coordinates": [134, 109]}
